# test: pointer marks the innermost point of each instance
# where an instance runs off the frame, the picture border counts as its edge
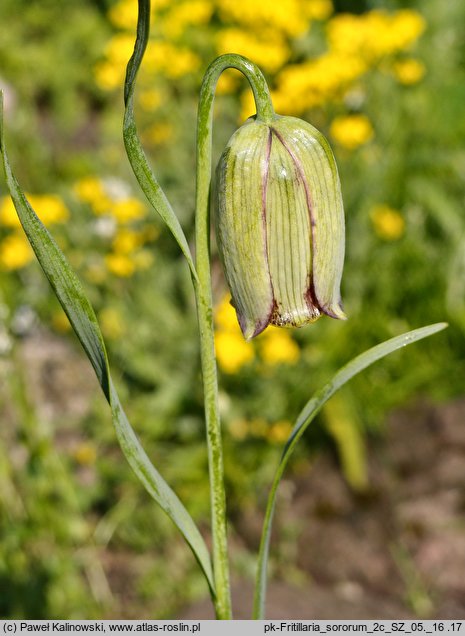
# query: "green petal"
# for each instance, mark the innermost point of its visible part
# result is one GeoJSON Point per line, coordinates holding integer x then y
{"type": "Point", "coordinates": [314, 156]}
{"type": "Point", "coordinates": [288, 222]}
{"type": "Point", "coordinates": [240, 226]}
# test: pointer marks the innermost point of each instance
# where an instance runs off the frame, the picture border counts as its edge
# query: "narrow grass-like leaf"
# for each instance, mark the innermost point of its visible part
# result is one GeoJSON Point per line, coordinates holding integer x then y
{"type": "Point", "coordinates": [71, 295]}
{"type": "Point", "coordinates": [134, 150]}
{"type": "Point", "coordinates": [306, 416]}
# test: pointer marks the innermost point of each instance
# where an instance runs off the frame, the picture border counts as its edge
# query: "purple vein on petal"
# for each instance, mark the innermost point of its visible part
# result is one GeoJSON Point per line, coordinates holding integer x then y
{"type": "Point", "coordinates": [313, 302]}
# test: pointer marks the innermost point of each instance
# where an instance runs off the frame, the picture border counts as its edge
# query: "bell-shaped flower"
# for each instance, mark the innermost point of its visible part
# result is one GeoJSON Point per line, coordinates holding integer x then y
{"type": "Point", "coordinates": [280, 224]}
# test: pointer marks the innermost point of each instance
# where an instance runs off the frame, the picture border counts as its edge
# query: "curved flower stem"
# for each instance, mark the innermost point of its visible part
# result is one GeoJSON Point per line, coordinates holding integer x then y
{"type": "Point", "coordinates": [265, 112]}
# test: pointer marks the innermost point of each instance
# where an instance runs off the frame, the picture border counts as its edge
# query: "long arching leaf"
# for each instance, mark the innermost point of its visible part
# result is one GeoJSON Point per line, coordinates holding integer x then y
{"type": "Point", "coordinates": [306, 416]}
{"type": "Point", "coordinates": [71, 295]}
{"type": "Point", "coordinates": [134, 150]}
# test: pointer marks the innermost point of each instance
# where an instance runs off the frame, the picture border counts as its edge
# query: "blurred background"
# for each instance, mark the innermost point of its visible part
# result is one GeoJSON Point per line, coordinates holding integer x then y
{"type": "Point", "coordinates": [370, 517]}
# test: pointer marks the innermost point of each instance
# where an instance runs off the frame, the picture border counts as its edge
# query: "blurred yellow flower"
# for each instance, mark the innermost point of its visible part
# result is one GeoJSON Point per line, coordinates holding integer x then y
{"type": "Point", "coordinates": [388, 223]}
{"type": "Point", "coordinates": [278, 347]}
{"type": "Point", "coordinates": [351, 131]}
{"type": "Point", "coordinates": [120, 265]}
{"type": "Point", "coordinates": [60, 321]}
{"type": "Point", "coordinates": [15, 251]}
{"type": "Point", "coordinates": [126, 241]}
{"type": "Point", "coordinates": [123, 14]}
{"type": "Point", "coordinates": [318, 9]}
{"type": "Point", "coordinates": [88, 188]}
{"type": "Point", "coordinates": [110, 72]}
{"type": "Point", "coordinates": [159, 133]}
{"type": "Point", "coordinates": [85, 454]}
{"type": "Point", "coordinates": [170, 60]}
{"type": "Point", "coordinates": [49, 208]}
{"type": "Point", "coordinates": [225, 316]}
{"type": "Point", "coordinates": [128, 210]}
{"type": "Point", "coordinates": [228, 82]}
{"type": "Point", "coordinates": [276, 433]}
{"type": "Point", "coordinates": [407, 25]}
{"type": "Point", "coordinates": [315, 82]}
{"type": "Point", "coordinates": [150, 99]}
{"type": "Point", "coordinates": [108, 75]}
{"type": "Point", "coordinates": [289, 17]}
{"type": "Point", "coordinates": [374, 34]}
{"type": "Point", "coordinates": [112, 323]}
{"type": "Point", "coordinates": [8, 216]}
{"type": "Point", "coordinates": [267, 48]}
{"type": "Point", "coordinates": [194, 12]}
{"type": "Point", "coordinates": [232, 351]}
{"type": "Point", "coordinates": [409, 71]}
{"type": "Point", "coordinates": [279, 432]}
{"type": "Point", "coordinates": [91, 190]}
{"type": "Point", "coordinates": [120, 48]}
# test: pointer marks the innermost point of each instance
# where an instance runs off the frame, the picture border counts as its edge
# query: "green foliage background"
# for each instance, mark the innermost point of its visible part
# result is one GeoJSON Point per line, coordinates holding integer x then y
{"type": "Point", "coordinates": [77, 534]}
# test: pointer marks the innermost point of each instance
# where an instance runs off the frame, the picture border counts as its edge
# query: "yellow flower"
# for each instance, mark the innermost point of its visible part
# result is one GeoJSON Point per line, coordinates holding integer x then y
{"type": "Point", "coordinates": [228, 82]}
{"type": "Point", "coordinates": [351, 131]}
{"type": "Point", "coordinates": [49, 208]}
{"type": "Point", "coordinates": [278, 347]}
{"type": "Point", "coordinates": [409, 71]}
{"type": "Point", "coordinates": [388, 223]}
{"type": "Point", "coordinates": [232, 351]}
{"type": "Point", "coordinates": [159, 133]}
{"type": "Point", "coordinates": [108, 75]}
{"type": "Point", "coordinates": [315, 82]}
{"type": "Point", "coordinates": [170, 60]}
{"type": "Point", "coordinates": [374, 34]}
{"type": "Point", "coordinates": [279, 432]}
{"type": "Point", "coordinates": [150, 99]}
{"type": "Point", "coordinates": [112, 323]}
{"type": "Point", "coordinates": [267, 48]}
{"type": "Point", "coordinates": [407, 26]}
{"type": "Point", "coordinates": [194, 12]}
{"type": "Point", "coordinates": [286, 16]}
{"type": "Point", "coordinates": [60, 321]}
{"type": "Point", "coordinates": [126, 241]}
{"type": "Point", "coordinates": [225, 316]}
{"type": "Point", "coordinates": [15, 252]}
{"type": "Point", "coordinates": [124, 14]}
{"type": "Point", "coordinates": [85, 454]}
{"type": "Point", "coordinates": [91, 190]}
{"type": "Point", "coordinates": [120, 265]}
{"type": "Point", "coordinates": [128, 210]}
{"type": "Point", "coordinates": [318, 9]}
{"type": "Point", "coordinates": [8, 216]}
{"type": "Point", "coordinates": [120, 48]}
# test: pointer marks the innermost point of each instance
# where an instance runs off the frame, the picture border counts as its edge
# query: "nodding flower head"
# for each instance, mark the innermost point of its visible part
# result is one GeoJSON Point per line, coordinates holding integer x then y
{"type": "Point", "coordinates": [280, 224]}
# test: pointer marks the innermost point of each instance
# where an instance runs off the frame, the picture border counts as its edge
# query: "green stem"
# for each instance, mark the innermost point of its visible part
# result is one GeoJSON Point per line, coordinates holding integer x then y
{"type": "Point", "coordinates": [265, 112]}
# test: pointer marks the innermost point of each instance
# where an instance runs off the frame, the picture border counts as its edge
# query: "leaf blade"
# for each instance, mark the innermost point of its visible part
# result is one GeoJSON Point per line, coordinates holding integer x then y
{"type": "Point", "coordinates": [134, 150]}
{"type": "Point", "coordinates": [71, 295]}
{"type": "Point", "coordinates": [307, 415]}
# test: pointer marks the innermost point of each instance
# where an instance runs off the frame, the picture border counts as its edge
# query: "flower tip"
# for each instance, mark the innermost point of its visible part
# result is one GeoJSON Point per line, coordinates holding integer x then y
{"type": "Point", "coordinates": [249, 328]}
{"type": "Point", "coordinates": [335, 311]}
